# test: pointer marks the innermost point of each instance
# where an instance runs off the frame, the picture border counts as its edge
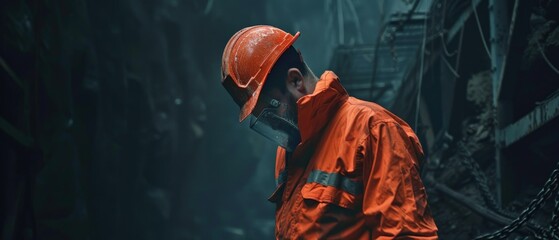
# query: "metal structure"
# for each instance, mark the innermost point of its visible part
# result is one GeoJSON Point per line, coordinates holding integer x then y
{"type": "Point", "coordinates": [375, 72]}
{"type": "Point", "coordinates": [471, 89]}
{"type": "Point", "coordinates": [525, 126]}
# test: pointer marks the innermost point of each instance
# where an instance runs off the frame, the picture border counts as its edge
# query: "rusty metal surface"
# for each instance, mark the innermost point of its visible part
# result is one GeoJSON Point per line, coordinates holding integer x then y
{"type": "Point", "coordinates": [541, 115]}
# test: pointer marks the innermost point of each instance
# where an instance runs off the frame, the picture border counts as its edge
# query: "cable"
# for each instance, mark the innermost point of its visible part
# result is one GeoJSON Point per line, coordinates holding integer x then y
{"type": "Point", "coordinates": [330, 28]}
{"type": "Point", "coordinates": [417, 102]}
{"type": "Point", "coordinates": [481, 31]}
{"type": "Point", "coordinates": [457, 65]}
{"type": "Point", "coordinates": [340, 23]}
{"type": "Point", "coordinates": [450, 67]}
{"type": "Point", "coordinates": [446, 52]}
{"type": "Point", "coordinates": [208, 7]}
{"type": "Point", "coordinates": [545, 58]}
{"type": "Point", "coordinates": [355, 21]}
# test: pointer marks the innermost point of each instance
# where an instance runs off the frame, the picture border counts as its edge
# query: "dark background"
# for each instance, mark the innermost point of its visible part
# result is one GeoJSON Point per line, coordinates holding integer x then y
{"type": "Point", "coordinates": [115, 124]}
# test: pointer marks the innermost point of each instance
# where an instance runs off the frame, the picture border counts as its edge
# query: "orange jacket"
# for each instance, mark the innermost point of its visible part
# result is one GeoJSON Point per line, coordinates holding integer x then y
{"type": "Point", "coordinates": [354, 175]}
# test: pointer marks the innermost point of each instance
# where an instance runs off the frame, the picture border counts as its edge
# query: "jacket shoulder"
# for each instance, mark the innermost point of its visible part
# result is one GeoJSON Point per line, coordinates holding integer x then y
{"type": "Point", "coordinates": [374, 114]}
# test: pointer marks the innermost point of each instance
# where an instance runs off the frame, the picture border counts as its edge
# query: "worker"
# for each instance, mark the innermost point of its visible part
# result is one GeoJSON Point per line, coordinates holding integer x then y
{"type": "Point", "coordinates": [345, 168]}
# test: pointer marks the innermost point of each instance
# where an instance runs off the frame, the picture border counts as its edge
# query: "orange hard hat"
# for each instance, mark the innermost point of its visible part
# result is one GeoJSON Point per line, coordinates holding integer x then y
{"type": "Point", "coordinates": [247, 60]}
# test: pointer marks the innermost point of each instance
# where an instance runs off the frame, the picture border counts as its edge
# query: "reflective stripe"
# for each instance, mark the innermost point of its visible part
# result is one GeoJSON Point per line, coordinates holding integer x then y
{"type": "Point", "coordinates": [281, 178]}
{"type": "Point", "coordinates": [335, 180]}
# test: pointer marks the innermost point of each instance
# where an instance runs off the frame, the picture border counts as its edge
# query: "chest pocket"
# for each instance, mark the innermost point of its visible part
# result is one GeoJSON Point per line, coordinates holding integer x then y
{"type": "Point", "coordinates": [333, 188]}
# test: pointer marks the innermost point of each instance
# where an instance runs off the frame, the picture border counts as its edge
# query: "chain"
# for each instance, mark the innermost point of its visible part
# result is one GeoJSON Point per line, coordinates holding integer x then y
{"type": "Point", "coordinates": [552, 232]}
{"type": "Point", "coordinates": [473, 167]}
{"type": "Point", "coordinates": [489, 199]}
{"type": "Point", "coordinates": [554, 226]}
{"type": "Point", "coordinates": [547, 190]}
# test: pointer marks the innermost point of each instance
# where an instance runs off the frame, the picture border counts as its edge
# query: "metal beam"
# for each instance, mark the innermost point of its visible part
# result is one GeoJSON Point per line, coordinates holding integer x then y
{"type": "Point", "coordinates": [541, 115]}
{"type": "Point", "coordinates": [516, 42]}
{"type": "Point", "coordinates": [460, 22]}
{"type": "Point", "coordinates": [498, 34]}
{"type": "Point", "coordinates": [499, 30]}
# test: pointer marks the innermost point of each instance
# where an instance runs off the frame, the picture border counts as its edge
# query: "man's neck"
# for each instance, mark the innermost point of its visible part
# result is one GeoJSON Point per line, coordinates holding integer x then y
{"type": "Point", "coordinates": [310, 81]}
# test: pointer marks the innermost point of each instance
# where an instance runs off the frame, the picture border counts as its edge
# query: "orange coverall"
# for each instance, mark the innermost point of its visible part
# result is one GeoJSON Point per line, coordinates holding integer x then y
{"type": "Point", "coordinates": [353, 176]}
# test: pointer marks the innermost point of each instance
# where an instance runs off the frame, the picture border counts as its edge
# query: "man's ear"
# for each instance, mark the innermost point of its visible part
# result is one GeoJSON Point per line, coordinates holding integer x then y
{"type": "Point", "coordinates": [295, 80]}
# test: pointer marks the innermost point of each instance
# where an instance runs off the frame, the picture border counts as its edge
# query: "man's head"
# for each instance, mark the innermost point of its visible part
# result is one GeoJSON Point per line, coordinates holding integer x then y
{"type": "Point", "coordinates": [289, 80]}
{"type": "Point", "coordinates": [266, 76]}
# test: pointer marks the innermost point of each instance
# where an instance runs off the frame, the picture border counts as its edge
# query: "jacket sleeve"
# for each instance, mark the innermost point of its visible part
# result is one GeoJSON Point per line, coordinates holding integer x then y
{"type": "Point", "coordinates": [394, 201]}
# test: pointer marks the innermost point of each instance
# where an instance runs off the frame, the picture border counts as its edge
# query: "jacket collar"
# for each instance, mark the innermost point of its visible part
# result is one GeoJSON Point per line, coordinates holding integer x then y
{"type": "Point", "coordinates": [317, 109]}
